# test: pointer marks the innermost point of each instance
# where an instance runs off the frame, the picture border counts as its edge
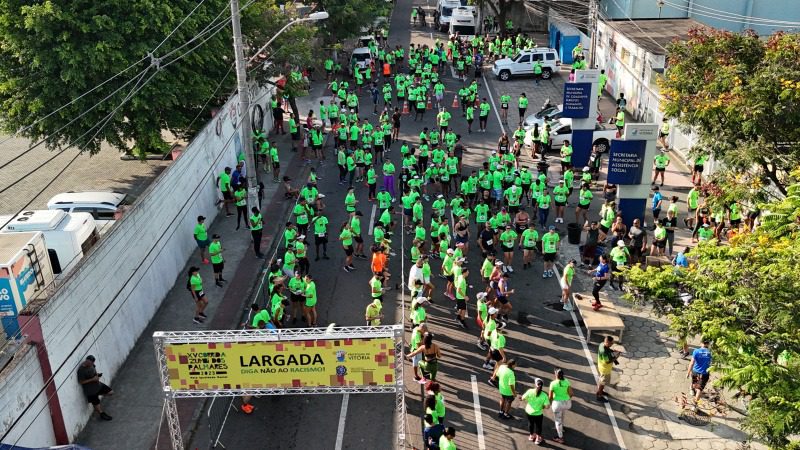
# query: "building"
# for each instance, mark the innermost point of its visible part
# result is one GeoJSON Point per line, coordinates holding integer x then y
{"type": "Point", "coordinates": [763, 16]}
{"type": "Point", "coordinates": [633, 54]}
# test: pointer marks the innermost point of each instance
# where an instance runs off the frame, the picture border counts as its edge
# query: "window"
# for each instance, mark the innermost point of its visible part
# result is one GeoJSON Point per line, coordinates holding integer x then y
{"type": "Point", "coordinates": [105, 214]}
{"type": "Point", "coordinates": [550, 56]}
{"type": "Point", "coordinates": [564, 130]}
{"type": "Point", "coordinates": [524, 59]}
{"type": "Point", "coordinates": [625, 56]}
{"type": "Point", "coordinates": [537, 57]}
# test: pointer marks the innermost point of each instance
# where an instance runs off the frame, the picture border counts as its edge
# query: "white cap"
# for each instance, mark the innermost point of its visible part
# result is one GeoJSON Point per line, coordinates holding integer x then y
{"type": "Point", "coordinates": [440, 196]}
{"type": "Point", "coordinates": [586, 169]}
{"type": "Point", "coordinates": [481, 295]}
{"type": "Point", "coordinates": [301, 237]}
{"type": "Point", "coordinates": [498, 263]}
{"type": "Point", "coordinates": [450, 251]}
{"type": "Point", "coordinates": [461, 260]}
{"type": "Point", "coordinates": [493, 310]}
{"type": "Point", "coordinates": [620, 243]}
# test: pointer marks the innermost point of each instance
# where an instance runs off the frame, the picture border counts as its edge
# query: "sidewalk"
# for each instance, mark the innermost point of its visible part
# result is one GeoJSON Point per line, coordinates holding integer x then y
{"type": "Point", "coordinates": [138, 401]}
{"type": "Point", "coordinates": [649, 382]}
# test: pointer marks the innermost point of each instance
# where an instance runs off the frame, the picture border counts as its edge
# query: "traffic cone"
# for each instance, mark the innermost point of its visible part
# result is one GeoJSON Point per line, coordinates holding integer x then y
{"type": "Point", "coordinates": [405, 108]}
{"type": "Point", "coordinates": [455, 101]}
{"type": "Point", "coordinates": [430, 105]}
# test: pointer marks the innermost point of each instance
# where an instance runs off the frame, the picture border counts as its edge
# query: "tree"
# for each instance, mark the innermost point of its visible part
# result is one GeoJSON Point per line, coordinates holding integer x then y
{"type": "Point", "coordinates": [290, 53]}
{"type": "Point", "coordinates": [741, 94]}
{"type": "Point", "coordinates": [53, 52]}
{"type": "Point", "coordinates": [348, 17]}
{"type": "Point", "coordinates": [745, 300]}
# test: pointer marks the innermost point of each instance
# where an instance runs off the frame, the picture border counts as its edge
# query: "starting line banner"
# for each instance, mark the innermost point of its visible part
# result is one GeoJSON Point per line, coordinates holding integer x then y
{"type": "Point", "coordinates": [294, 364]}
{"type": "Point", "coordinates": [307, 360]}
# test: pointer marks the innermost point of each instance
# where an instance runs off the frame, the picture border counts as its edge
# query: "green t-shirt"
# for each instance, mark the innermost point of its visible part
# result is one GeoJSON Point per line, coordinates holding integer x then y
{"type": "Point", "coordinates": [311, 293]}
{"type": "Point", "coordinates": [529, 238]}
{"type": "Point", "coordinates": [200, 232]}
{"type": "Point", "coordinates": [256, 222]}
{"type": "Point", "coordinates": [300, 214]}
{"type": "Point", "coordinates": [661, 161]}
{"type": "Point", "coordinates": [224, 182]}
{"type": "Point", "coordinates": [585, 197]}
{"type": "Point", "coordinates": [346, 237]}
{"type": "Point", "coordinates": [261, 316]}
{"type": "Point", "coordinates": [569, 273]}
{"type": "Point", "coordinates": [560, 390]}
{"type": "Point", "coordinates": [550, 242]}
{"type": "Point", "coordinates": [196, 282]}
{"type": "Point", "coordinates": [506, 379]}
{"type": "Point", "coordinates": [215, 247]}
{"type": "Point", "coordinates": [535, 403]}
{"type": "Point", "coordinates": [320, 225]}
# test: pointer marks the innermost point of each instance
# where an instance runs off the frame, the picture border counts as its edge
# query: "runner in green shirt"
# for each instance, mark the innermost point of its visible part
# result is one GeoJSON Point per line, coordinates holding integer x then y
{"type": "Point", "coordinates": [195, 286]}
{"type": "Point", "coordinates": [560, 397]}
{"type": "Point", "coordinates": [201, 237]}
{"type": "Point", "coordinates": [528, 241]}
{"type": "Point", "coordinates": [505, 99]}
{"type": "Point", "coordinates": [506, 384]}
{"type": "Point", "coordinates": [566, 284]}
{"type": "Point", "coordinates": [550, 244]}
{"type": "Point", "coordinates": [536, 401]}
{"type": "Point", "coordinates": [215, 251]}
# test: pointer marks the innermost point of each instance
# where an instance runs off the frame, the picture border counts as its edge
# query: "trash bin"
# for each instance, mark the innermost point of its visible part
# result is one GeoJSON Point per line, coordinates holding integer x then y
{"type": "Point", "coordinates": [574, 233]}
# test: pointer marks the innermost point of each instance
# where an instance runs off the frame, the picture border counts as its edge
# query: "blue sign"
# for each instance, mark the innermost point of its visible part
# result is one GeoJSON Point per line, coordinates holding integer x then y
{"type": "Point", "coordinates": [8, 309]}
{"type": "Point", "coordinates": [577, 99]}
{"type": "Point", "coordinates": [626, 162]}
{"type": "Point", "coordinates": [581, 147]}
{"type": "Point", "coordinates": [630, 209]}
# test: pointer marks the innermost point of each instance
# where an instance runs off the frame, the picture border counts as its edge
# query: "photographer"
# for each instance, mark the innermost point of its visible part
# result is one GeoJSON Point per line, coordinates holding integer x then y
{"type": "Point", "coordinates": [606, 360]}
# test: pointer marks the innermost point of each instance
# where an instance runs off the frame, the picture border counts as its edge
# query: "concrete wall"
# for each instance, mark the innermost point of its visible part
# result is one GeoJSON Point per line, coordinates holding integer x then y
{"type": "Point", "coordinates": [20, 382]}
{"type": "Point", "coordinates": [644, 9]}
{"type": "Point", "coordinates": [107, 301]}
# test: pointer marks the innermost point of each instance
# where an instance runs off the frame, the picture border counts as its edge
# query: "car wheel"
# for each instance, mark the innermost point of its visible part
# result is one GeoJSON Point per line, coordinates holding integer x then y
{"type": "Point", "coordinates": [602, 145]}
{"type": "Point", "coordinates": [546, 74]}
{"type": "Point", "coordinates": [504, 75]}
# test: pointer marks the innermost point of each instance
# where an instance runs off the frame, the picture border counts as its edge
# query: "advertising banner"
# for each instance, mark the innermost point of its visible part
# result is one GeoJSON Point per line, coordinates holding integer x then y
{"type": "Point", "coordinates": [285, 364]}
{"type": "Point", "coordinates": [626, 162]}
{"type": "Point", "coordinates": [577, 100]}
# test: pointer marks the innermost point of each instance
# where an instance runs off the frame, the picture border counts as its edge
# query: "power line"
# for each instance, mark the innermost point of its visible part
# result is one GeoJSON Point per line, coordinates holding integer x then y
{"type": "Point", "coordinates": [51, 379]}
{"type": "Point", "coordinates": [739, 20]}
{"type": "Point", "coordinates": [28, 127]}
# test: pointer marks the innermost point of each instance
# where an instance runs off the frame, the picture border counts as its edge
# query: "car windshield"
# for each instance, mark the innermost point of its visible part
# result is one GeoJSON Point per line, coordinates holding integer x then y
{"type": "Point", "coordinates": [360, 57]}
{"type": "Point", "coordinates": [546, 112]}
{"type": "Point", "coordinates": [464, 30]}
{"type": "Point", "coordinates": [447, 12]}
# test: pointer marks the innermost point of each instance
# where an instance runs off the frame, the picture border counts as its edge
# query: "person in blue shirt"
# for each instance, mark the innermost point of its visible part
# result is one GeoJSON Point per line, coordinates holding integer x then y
{"type": "Point", "coordinates": [658, 198]}
{"type": "Point", "coordinates": [600, 275]}
{"type": "Point", "coordinates": [680, 259]}
{"type": "Point", "coordinates": [698, 369]}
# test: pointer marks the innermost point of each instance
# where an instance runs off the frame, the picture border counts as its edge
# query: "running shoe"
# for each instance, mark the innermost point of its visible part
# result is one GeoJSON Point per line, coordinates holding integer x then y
{"type": "Point", "coordinates": [197, 320]}
{"type": "Point", "coordinates": [510, 269]}
{"type": "Point", "coordinates": [481, 345]}
{"type": "Point", "coordinates": [493, 383]}
{"type": "Point", "coordinates": [346, 269]}
{"type": "Point", "coordinates": [487, 366]}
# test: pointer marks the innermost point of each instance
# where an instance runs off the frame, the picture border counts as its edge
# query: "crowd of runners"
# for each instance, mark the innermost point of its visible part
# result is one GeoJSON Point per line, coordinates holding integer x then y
{"type": "Point", "coordinates": [421, 190]}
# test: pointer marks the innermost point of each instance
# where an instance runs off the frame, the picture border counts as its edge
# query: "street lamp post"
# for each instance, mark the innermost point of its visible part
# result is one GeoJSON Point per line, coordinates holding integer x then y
{"type": "Point", "coordinates": [244, 92]}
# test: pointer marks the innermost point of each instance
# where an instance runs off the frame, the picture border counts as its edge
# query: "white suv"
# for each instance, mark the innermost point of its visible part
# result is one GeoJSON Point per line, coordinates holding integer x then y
{"type": "Point", "coordinates": [522, 64]}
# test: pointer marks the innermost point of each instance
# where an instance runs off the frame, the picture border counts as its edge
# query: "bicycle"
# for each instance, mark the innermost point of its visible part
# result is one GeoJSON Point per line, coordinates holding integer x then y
{"type": "Point", "coordinates": [700, 412]}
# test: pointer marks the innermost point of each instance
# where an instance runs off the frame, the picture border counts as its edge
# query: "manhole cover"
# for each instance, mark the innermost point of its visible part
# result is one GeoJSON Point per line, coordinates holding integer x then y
{"type": "Point", "coordinates": [696, 418]}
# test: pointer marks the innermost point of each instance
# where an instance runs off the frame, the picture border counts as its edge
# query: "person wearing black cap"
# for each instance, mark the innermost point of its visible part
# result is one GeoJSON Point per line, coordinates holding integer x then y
{"type": "Point", "coordinates": [93, 389]}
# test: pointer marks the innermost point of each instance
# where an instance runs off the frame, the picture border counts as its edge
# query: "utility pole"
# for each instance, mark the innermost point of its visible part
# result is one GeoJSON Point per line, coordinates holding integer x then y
{"type": "Point", "coordinates": [244, 106]}
{"type": "Point", "coordinates": [594, 10]}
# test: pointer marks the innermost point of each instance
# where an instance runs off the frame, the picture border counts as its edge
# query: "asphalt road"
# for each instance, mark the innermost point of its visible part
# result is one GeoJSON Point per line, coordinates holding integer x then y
{"type": "Point", "coordinates": [540, 337]}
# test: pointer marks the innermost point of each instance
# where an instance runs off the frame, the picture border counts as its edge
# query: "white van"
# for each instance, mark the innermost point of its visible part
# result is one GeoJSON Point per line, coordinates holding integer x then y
{"type": "Point", "coordinates": [463, 23]}
{"type": "Point", "coordinates": [445, 9]}
{"type": "Point", "coordinates": [104, 206]}
{"type": "Point", "coordinates": [68, 236]}
{"type": "Point", "coordinates": [522, 63]}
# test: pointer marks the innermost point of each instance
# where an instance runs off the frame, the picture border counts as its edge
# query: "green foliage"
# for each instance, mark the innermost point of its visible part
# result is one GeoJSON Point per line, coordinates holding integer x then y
{"type": "Point", "coordinates": [52, 52]}
{"type": "Point", "coordinates": [745, 300]}
{"type": "Point", "coordinates": [742, 96]}
{"type": "Point", "coordinates": [348, 17]}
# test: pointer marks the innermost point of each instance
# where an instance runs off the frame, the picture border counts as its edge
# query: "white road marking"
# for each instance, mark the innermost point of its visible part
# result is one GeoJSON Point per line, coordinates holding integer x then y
{"type": "Point", "coordinates": [494, 105]}
{"type": "Point", "coordinates": [342, 419]}
{"type": "Point", "coordinates": [588, 354]}
{"type": "Point", "coordinates": [476, 404]}
{"type": "Point", "coordinates": [372, 220]}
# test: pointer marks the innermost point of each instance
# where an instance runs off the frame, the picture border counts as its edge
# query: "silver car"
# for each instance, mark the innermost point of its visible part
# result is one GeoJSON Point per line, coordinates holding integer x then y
{"type": "Point", "coordinates": [546, 115]}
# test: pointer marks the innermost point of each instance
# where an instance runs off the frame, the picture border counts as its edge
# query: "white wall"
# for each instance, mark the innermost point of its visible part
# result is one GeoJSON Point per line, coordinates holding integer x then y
{"type": "Point", "coordinates": [149, 247]}
{"type": "Point", "coordinates": [19, 386]}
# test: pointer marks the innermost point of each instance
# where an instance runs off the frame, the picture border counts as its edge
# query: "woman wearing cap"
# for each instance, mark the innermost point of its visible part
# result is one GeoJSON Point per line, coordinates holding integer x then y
{"type": "Point", "coordinates": [537, 402]}
{"type": "Point", "coordinates": [561, 398]}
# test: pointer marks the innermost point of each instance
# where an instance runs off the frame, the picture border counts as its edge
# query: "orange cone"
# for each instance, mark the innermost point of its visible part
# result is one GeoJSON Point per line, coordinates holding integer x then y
{"type": "Point", "coordinates": [430, 105]}
{"type": "Point", "coordinates": [405, 108]}
{"type": "Point", "coordinates": [455, 101]}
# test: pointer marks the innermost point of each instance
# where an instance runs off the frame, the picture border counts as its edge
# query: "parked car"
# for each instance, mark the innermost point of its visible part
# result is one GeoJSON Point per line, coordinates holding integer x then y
{"type": "Point", "coordinates": [547, 115]}
{"type": "Point", "coordinates": [522, 64]}
{"type": "Point", "coordinates": [562, 130]}
{"type": "Point", "coordinates": [104, 206]}
{"type": "Point", "coordinates": [360, 57]}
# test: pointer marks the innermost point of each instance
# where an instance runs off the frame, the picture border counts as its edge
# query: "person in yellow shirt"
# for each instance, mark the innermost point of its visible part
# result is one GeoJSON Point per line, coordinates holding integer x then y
{"type": "Point", "coordinates": [606, 359]}
{"type": "Point", "coordinates": [373, 314]}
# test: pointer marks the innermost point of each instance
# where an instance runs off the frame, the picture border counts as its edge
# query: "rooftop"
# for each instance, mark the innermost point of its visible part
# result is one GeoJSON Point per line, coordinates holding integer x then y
{"type": "Point", "coordinates": [652, 34]}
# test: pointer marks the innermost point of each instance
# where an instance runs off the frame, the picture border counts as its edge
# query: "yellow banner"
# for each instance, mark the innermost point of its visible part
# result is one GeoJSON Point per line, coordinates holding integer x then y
{"type": "Point", "coordinates": [287, 364]}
